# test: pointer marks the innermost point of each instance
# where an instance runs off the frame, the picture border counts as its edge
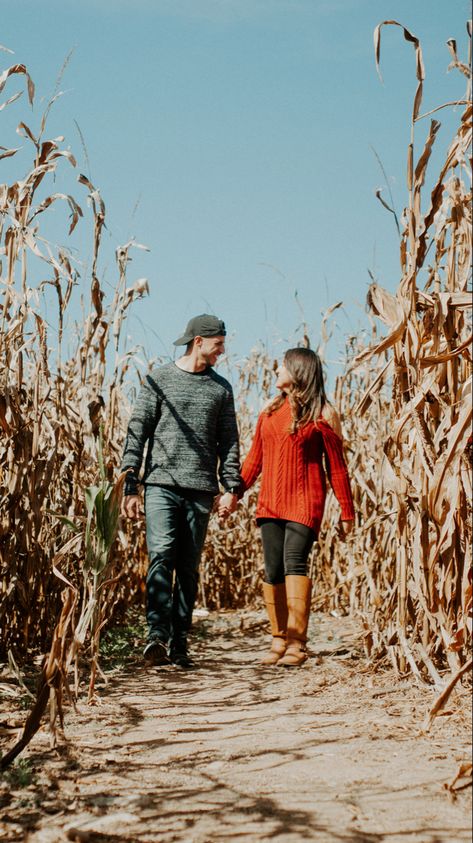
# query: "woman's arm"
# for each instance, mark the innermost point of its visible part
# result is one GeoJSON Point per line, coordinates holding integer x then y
{"type": "Point", "coordinates": [254, 460]}
{"type": "Point", "coordinates": [337, 470]}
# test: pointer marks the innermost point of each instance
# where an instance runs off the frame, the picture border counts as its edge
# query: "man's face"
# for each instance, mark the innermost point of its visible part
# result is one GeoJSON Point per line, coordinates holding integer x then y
{"type": "Point", "coordinates": [210, 349]}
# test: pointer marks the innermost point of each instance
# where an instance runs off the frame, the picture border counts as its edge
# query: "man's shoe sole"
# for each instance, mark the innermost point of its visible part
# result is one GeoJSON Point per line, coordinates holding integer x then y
{"type": "Point", "coordinates": [155, 653]}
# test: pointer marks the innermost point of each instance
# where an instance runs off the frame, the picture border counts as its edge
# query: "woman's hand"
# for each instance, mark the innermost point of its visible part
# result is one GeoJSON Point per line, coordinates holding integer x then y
{"type": "Point", "coordinates": [346, 527]}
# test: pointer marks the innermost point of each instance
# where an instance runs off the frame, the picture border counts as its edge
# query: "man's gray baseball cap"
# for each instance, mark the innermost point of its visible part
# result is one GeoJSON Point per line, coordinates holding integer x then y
{"type": "Point", "coordinates": [202, 326]}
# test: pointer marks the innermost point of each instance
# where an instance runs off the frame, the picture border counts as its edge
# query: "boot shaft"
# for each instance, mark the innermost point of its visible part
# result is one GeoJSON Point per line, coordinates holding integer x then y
{"type": "Point", "coordinates": [276, 606]}
{"type": "Point", "coordinates": [298, 592]}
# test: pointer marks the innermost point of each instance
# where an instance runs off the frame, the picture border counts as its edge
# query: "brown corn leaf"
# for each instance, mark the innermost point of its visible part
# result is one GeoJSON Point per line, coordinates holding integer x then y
{"type": "Point", "coordinates": [18, 69]}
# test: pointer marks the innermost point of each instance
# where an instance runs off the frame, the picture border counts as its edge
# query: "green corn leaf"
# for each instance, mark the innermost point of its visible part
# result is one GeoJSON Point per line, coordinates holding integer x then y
{"type": "Point", "coordinates": [76, 528]}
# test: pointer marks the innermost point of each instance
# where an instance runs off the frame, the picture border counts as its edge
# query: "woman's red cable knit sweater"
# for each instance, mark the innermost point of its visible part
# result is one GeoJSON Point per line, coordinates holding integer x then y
{"type": "Point", "coordinates": [293, 483]}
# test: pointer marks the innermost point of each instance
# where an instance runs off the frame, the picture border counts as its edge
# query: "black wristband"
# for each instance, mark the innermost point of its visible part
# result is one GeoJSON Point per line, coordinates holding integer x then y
{"type": "Point", "coordinates": [131, 483]}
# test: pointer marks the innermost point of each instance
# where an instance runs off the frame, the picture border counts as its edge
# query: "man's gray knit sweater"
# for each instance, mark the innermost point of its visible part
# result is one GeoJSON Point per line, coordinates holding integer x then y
{"type": "Point", "coordinates": [188, 422]}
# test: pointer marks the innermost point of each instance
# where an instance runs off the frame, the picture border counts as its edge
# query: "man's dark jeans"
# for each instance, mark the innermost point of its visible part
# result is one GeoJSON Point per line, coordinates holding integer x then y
{"type": "Point", "coordinates": [176, 525]}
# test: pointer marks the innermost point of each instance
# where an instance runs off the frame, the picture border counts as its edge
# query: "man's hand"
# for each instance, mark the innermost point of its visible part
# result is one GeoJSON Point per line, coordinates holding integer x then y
{"type": "Point", "coordinates": [227, 504]}
{"type": "Point", "coordinates": [346, 527]}
{"type": "Point", "coordinates": [131, 507]}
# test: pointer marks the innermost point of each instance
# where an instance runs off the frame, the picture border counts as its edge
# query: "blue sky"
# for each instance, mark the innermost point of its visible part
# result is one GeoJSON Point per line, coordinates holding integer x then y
{"type": "Point", "coordinates": [233, 138]}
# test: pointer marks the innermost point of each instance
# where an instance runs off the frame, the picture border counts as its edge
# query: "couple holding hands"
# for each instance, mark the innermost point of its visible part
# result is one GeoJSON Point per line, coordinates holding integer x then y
{"type": "Point", "coordinates": [185, 414]}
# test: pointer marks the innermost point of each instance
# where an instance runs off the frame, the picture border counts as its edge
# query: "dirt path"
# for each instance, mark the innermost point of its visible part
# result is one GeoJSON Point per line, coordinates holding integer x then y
{"type": "Point", "coordinates": [233, 751]}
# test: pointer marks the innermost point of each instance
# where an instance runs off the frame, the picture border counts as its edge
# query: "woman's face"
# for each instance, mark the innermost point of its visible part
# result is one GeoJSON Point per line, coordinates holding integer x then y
{"type": "Point", "coordinates": [284, 381]}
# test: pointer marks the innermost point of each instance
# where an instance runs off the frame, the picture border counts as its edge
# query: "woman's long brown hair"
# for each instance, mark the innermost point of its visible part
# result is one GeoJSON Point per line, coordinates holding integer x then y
{"type": "Point", "coordinates": [307, 393]}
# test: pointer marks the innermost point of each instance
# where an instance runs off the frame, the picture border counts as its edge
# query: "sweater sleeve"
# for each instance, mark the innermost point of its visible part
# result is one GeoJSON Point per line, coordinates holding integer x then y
{"type": "Point", "coordinates": [254, 460]}
{"type": "Point", "coordinates": [141, 426]}
{"type": "Point", "coordinates": [337, 469]}
{"type": "Point", "coordinates": [228, 445]}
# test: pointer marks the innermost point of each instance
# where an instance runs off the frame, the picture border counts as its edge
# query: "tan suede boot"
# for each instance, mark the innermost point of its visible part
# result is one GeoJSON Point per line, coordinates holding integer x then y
{"type": "Point", "coordinates": [276, 607]}
{"type": "Point", "coordinates": [298, 590]}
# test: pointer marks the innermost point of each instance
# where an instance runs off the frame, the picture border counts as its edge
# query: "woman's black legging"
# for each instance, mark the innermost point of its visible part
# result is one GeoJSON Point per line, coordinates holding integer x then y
{"type": "Point", "coordinates": [286, 548]}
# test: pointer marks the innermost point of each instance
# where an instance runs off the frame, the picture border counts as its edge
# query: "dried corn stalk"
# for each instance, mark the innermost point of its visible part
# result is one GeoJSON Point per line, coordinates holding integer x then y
{"type": "Point", "coordinates": [52, 404]}
{"type": "Point", "coordinates": [409, 569]}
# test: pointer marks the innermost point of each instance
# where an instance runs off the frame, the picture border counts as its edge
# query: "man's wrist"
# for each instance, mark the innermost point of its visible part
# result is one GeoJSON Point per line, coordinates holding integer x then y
{"type": "Point", "coordinates": [131, 483]}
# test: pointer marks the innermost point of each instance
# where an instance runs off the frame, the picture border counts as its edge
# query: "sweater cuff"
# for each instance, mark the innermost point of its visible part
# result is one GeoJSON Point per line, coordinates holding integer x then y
{"type": "Point", "coordinates": [234, 488]}
{"type": "Point", "coordinates": [131, 483]}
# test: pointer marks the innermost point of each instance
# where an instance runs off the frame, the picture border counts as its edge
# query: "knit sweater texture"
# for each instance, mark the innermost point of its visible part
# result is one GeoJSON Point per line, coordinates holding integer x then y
{"type": "Point", "coordinates": [293, 474]}
{"type": "Point", "coordinates": [187, 420]}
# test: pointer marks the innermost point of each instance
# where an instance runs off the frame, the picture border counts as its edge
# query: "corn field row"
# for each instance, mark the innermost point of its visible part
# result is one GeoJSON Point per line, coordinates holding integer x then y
{"type": "Point", "coordinates": [404, 399]}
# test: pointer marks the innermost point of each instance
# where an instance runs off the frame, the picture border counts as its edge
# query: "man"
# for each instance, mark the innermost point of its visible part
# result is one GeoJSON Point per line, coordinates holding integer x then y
{"type": "Point", "coordinates": [185, 414]}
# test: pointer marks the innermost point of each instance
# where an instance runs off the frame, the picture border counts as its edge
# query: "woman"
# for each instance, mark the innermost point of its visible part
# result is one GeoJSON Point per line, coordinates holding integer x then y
{"type": "Point", "coordinates": [295, 433]}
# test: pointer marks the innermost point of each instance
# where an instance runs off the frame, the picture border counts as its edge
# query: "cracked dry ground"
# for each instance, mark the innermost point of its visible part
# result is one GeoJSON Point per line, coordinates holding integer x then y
{"type": "Point", "coordinates": [235, 751]}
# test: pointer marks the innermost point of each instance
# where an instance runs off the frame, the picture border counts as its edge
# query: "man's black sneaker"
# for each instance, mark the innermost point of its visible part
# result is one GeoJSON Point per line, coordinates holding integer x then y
{"type": "Point", "coordinates": [181, 658]}
{"type": "Point", "coordinates": [155, 652]}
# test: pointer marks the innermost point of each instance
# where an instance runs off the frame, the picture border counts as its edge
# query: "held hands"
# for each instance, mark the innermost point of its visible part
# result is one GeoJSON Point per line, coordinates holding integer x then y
{"type": "Point", "coordinates": [131, 507]}
{"type": "Point", "coordinates": [226, 504]}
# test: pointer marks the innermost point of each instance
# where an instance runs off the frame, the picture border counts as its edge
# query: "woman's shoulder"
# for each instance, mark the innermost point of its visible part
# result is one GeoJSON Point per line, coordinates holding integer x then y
{"type": "Point", "coordinates": [273, 405]}
{"type": "Point", "coordinates": [330, 416]}
{"type": "Point", "coordinates": [273, 415]}
{"type": "Point", "coordinates": [267, 404]}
